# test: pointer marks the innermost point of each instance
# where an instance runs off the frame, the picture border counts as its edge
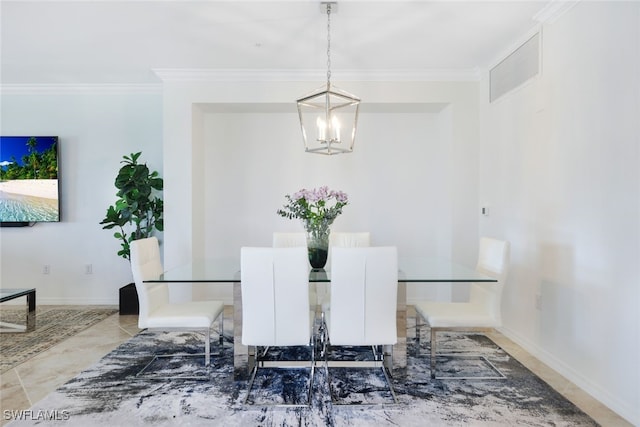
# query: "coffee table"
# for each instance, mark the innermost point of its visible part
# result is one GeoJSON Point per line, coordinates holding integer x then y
{"type": "Point", "coordinates": [30, 321]}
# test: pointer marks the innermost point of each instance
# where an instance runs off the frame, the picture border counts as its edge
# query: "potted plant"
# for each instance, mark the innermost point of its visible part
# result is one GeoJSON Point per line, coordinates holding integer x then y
{"type": "Point", "coordinates": [136, 214]}
{"type": "Point", "coordinates": [317, 209]}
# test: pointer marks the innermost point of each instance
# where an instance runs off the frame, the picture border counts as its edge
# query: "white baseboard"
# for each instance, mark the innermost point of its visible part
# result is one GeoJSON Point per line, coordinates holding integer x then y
{"type": "Point", "coordinates": [621, 408]}
{"type": "Point", "coordinates": [76, 301]}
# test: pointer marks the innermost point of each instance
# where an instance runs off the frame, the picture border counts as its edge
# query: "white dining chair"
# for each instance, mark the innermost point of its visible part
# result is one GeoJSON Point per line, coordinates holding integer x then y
{"type": "Point", "coordinates": [275, 313]}
{"type": "Point", "coordinates": [293, 240]}
{"type": "Point", "coordinates": [481, 313]}
{"type": "Point", "coordinates": [348, 239]}
{"type": "Point", "coordinates": [289, 240]}
{"type": "Point", "coordinates": [341, 239]}
{"type": "Point", "coordinates": [362, 310]}
{"type": "Point", "coordinates": [157, 312]}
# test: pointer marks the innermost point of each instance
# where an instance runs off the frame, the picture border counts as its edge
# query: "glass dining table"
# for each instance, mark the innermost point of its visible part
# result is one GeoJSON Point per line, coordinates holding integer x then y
{"type": "Point", "coordinates": [419, 270]}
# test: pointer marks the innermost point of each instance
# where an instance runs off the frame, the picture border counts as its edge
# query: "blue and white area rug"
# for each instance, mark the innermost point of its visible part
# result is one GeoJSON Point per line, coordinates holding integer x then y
{"type": "Point", "coordinates": [107, 394]}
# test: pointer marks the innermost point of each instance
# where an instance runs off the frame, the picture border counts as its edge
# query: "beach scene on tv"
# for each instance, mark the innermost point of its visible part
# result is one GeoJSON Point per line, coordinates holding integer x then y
{"type": "Point", "coordinates": [29, 179]}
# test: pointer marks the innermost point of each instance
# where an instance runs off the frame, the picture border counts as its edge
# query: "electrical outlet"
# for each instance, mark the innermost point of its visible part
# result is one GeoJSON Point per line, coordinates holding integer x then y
{"type": "Point", "coordinates": [46, 269]}
{"type": "Point", "coordinates": [538, 302]}
{"type": "Point", "coordinates": [88, 269]}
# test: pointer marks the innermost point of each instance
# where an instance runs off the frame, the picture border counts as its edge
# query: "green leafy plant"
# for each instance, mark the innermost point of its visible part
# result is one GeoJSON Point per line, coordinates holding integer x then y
{"type": "Point", "coordinates": [137, 213]}
{"type": "Point", "coordinates": [314, 208]}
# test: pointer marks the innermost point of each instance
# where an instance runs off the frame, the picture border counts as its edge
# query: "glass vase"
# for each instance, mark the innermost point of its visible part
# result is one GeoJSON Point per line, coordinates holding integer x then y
{"type": "Point", "coordinates": [318, 247]}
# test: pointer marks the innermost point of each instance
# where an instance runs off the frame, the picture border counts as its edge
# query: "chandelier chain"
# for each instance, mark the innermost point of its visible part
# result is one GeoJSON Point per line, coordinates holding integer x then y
{"type": "Point", "coordinates": [328, 44]}
{"type": "Point", "coordinates": [329, 116]}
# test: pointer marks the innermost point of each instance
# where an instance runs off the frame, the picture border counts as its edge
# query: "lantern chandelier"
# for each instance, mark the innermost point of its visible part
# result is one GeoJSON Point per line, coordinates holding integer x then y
{"type": "Point", "coordinates": [328, 115]}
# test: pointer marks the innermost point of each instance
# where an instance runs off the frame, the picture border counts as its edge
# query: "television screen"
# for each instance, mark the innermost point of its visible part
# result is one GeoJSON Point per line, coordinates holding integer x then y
{"type": "Point", "coordinates": [29, 179]}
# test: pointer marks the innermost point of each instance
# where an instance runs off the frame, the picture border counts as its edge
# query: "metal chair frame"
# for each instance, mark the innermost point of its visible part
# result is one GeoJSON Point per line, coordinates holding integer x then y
{"type": "Point", "coordinates": [378, 362]}
{"type": "Point", "coordinates": [207, 354]}
{"type": "Point", "coordinates": [433, 354]}
{"type": "Point", "coordinates": [260, 362]}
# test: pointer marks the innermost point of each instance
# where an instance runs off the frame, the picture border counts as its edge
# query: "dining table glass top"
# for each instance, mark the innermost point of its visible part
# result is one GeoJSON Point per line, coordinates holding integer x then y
{"type": "Point", "coordinates": [410, 269]}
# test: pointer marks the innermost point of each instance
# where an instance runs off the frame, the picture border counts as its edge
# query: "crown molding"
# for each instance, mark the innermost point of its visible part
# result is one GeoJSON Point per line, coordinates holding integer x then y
{"type": "Point", "coordinates": [80, 89]}
{"type": "Point", "coordinates": [554, 10]}
{"type": "Point", "coordinates": [241, 75]}
{"type": "Point", "coordinates": [270, 75]}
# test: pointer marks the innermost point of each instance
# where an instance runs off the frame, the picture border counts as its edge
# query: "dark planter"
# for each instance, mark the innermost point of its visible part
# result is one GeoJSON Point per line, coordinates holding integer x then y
{"type": "Point", "coordinates": [129, 299]}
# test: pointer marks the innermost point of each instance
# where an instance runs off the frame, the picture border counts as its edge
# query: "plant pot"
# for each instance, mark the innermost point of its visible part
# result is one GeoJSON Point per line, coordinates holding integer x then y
{"type": "Point", "coordinates": [129, 299]}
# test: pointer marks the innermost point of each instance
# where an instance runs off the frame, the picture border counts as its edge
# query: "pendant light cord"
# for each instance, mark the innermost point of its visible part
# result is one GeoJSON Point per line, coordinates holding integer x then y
{"type": "Point", "coordinates": [328, 45]}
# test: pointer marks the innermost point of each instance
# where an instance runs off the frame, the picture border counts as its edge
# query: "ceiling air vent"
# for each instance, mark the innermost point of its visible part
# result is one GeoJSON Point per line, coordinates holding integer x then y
{"type": "Point", "coordinates": [521, 65]}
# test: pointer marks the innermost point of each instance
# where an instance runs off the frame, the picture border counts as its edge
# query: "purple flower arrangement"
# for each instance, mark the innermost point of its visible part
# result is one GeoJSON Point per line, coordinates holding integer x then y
{"type": "Point", "coordinates": [317, 208]}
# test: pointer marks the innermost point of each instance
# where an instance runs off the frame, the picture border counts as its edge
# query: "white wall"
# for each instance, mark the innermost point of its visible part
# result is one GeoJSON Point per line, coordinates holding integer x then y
{"type": "Point", "coordinates": [397, 179]}
{"type": "Point", "coordinates": [558, 164]}
{"type": "Point", "coordinates": [413, 173]}
{"type": "Point", "coordinates": [560, 169]}
{"type": "Point", "coordinates": [398, 189]}
{"type": "Point", "coordinates": [96, 128]}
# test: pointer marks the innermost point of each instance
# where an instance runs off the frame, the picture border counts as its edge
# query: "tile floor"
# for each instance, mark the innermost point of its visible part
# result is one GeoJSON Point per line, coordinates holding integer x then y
{"type": "Point", "coordinates": [31, 381]}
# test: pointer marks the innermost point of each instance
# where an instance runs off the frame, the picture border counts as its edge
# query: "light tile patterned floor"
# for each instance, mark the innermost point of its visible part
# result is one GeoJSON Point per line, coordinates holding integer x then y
{"type": "Point", "coordinates": [33, 380]}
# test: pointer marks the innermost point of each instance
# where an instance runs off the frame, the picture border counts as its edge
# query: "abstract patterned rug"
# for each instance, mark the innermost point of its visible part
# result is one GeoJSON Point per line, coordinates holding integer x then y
{"type": "Point", "coordinates": [53, 325]}
{"type": "Point", "coordinates": [109, 394]}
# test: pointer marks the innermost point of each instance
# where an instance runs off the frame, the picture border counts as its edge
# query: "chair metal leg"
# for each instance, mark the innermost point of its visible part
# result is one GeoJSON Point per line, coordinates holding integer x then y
{"type": "Point", "coordinates": [387, 352]}
{"type": "Point", "coordinates": [221, 339]}
{"type": "Point", "coordinates": [206, 354]}
{"type": "Point", "coordinates": [253, 377]}
{"type": "Point", "coordinates": [313, 367]}
{"type": "Point", "coordinates": [260, 362]}
{"type": "Point", "coordinates": [207, 347]}
{"type": "Point", "coordinates": [433, 353]}
{"type": "Point", "coordinates": [322, 334]}
{"type": "Point", "coordinates": [393, 393]}
{"type": "Point", "coordinates": [418, 332]}
{"type": "Point", "coordinates": [379, 361]}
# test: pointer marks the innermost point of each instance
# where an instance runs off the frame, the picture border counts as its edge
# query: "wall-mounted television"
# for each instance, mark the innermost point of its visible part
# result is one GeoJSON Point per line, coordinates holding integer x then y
{"type": "Point", "coordinates": [29, 180]}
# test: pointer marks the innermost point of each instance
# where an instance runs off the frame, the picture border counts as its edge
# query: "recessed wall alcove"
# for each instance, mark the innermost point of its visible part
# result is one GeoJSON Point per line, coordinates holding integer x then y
{"type": "Point", "coordinates": [398, 178]}
{"type": "Point", "coordinates": [232, 150]}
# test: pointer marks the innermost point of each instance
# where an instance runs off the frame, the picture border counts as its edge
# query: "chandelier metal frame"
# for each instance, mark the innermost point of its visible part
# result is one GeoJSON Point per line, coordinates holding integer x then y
{"type": "Point", "coordinates": [332, 108]}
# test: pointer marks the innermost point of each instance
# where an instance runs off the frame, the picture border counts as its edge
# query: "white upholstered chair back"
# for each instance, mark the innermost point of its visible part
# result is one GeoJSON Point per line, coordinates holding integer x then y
{"type": "Point", "coordinates": [364, 291]}
{"type": "Point", "coordinates": [294, 240]}
{"type": "Point", "coordinates": [349, 239]}
{"type": "Point", "coordinates": [493, 261]}
{"type": "Point", "coordinates": [274, 285]}
{"type": "Point", "coordinates": [344, 239]}
{"type": "Point", "coordinates": [145, 265]}
{"type": "Point", "coordinates": [289, 240]}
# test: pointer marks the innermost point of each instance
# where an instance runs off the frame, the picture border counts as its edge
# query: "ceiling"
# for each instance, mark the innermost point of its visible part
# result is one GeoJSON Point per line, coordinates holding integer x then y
{"type": "Point", "coordinates": [122, 42]}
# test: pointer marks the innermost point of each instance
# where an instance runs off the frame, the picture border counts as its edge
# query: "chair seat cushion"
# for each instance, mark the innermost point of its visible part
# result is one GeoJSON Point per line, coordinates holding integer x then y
{"type": "Point", "coordinates": [455, 314]}
{"type": "Point", "coordinates": [192, 314]}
